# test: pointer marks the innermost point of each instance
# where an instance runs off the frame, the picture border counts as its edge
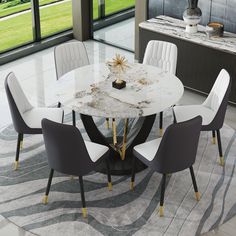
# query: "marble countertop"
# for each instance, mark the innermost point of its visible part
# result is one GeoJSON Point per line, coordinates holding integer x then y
{"type": "Point", "coordinates": [88, 90]}
{"type": "Point", "coordinates": [176, 28]}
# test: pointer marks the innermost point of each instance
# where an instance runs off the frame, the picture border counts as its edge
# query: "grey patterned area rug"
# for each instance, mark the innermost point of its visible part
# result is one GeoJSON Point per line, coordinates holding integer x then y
{"type": "Point", "coordinates": [120, 212]}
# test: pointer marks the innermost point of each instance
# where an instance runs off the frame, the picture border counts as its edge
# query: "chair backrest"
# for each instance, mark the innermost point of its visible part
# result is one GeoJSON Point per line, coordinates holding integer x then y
{"type": "Point", "coordinates": [69, 56]}
{"type": "Point", "coordinates": [218, 97]}
{"type": "Point", "coordinates": [178, 148]}
{"type": "Point", "coordinates": [66, 149]}
{"type": "Point", "coordinates": [161, 54]}
{"type": "Point", "coordinates": [18, 102]}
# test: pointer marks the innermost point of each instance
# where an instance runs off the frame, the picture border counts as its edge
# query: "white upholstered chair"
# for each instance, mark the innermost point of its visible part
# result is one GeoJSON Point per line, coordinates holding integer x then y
{"type": "Point", "coordinates": [26, 118]}
{"type": "Point", "coordinates": [69, 56]}
{"type": "Point", "coordinates": [163, 55]}
{"type": "Point", "coordinates": [212, 110]}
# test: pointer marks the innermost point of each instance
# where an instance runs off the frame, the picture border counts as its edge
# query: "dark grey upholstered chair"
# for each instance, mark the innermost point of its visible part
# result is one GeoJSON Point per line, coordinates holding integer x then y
{"type": "Point", "coordinates": [212, 110]}
{"type": "Point", "coordinates": [68, 153]}
{"type": "Point", "coordinates": [26, 118]}
{"type": "Point", "coordinates": [174, 152]}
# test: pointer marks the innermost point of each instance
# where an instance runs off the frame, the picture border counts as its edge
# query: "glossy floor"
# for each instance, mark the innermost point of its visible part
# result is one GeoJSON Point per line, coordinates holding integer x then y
{"type": "Point", "coordinates": [37, 71]}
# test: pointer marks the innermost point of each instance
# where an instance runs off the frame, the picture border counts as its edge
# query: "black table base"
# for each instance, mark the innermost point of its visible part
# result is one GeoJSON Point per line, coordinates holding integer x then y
{"type": "Point", "coordinates": [118, 166]}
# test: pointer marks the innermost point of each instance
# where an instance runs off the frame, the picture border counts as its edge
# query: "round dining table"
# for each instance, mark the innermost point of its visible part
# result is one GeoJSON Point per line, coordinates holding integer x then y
{"type": "Point", "coordinates": [88, 91]}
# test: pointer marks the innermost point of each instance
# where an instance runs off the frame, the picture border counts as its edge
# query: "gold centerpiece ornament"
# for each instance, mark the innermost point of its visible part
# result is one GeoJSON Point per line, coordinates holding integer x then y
{"type": "Point", "coordinates": [117, 66]}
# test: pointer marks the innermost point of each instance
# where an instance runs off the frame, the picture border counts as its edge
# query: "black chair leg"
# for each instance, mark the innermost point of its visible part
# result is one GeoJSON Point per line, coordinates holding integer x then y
{"type": "Point", "coordinates": [45, 198]}
{"type": "Point", "coordinates": [84, 209]}
{"type": "Point", "coordinates": [197, 194]}
{"type": "Point", "coordinates": [163, 187]}
{"type": "Point", "coordinates": [133, 173]}
{"type": "Point", "coordinates": [213, 137]}
{"type": "Point", "coordinates": [18, 147]}
{"type": "Point", "coordinates": [58, 104]}
{"type": "Point", "coordinates": [107, 123]}
{"type": "Point", "coordinates": [109, 175]}
{"type": "Point", "coordinates": [73, 118]}
{"type": "Point", "coordinates": [222, 161]}
{"type": "Point", "coordinates": [161, 123]}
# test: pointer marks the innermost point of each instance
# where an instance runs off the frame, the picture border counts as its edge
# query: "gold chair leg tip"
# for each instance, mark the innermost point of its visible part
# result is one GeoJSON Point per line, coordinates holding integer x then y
{"type": "Point", "coordinates": [21, 145]}
{"type": "Point", "coordinates": [16, 165]}
{"type": "Point", "coordinates": [198, 196]}
{"type": "Point", "coordinates": [161, 211]}
{"type": "Point", "coordinates": [213, 140]}
{"type": "Point", "coordinates": [132, 186]}
{"type": "Point", "coordinates": [71, 177]}
{"type": "Point", "coordinates": [84, 212]}
{"type": "Point", "coordinates": [107, 123]}
{"type": "Point", "coordinates": [110, 186]}
{"type": "Point", "coordinates": [222, 161]}
{"type": "Point", "coordinates": [161, 132]}
{"type": "Point", "coordinates": [45, 200]}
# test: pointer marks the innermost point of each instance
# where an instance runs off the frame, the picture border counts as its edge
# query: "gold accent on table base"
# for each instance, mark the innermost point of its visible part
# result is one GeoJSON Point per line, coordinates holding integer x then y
{"type": "Point", "coordinates": [161, 132]}
{"type": "Point", "coordinates": [222, 161]}
{"type": "Point", "coordinates": [124, 139]}
{"type": "Point", "coordinates": [132, 185]}
{"type": "Point", "coordinates": [123, 151]}
{"type": "Point", "coordinates": [45, 199]}
{"type": "Point", "coordinates": [21, 144]}
{"type": "Point", "coordinates": [84, 212]}
{"type": "Point", "coordinates": [107, 123]}
{"type": "Point", "coordinates": [16, 165]}
{"type": "Point", "coordinates": [213, 140]}
{"type": "Point", "coordinates": [110, 186]}
{"type": "Point", "coordinates": [114, 131]}
{"type": "Point", "coordinates": [198, 196]}
{"type": "Point", "coordinates": [161, 211]}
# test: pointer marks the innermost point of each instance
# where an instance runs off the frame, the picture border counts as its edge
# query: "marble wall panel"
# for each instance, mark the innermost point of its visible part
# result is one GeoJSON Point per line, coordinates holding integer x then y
{"type": "Point", "coordinates": [212, 10]}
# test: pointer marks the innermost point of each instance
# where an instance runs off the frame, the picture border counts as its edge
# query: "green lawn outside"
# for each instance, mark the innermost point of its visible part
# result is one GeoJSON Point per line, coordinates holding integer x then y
{"type": "Point", "coordinates": [56, 18]}
{"type": "Point", "coordinates": [17, 30]}
{"type": "Point", "coordinates": [117, 5]}
{"type": "Point", "coordinates": [5, 11]}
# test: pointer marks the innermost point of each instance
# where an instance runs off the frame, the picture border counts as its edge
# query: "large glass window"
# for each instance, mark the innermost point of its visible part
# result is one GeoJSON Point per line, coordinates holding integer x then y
{"type": "Point", "coordinates": [121, 33]}
{"type": "Point", "coordinates": [55, 16]}
{"type": "Point", "coordinates": [113, 6]}
{"type": "Point", "coordinates": [15, 24]}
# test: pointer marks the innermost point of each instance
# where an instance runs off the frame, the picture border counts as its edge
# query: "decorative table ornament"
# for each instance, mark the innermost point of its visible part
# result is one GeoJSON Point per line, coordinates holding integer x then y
{"type": "Point", "coordinates": [118, 66]}
{"type": "Point", "coordinates": [214, 29]}
{"type": "Point", "coordinates": [192, 16]}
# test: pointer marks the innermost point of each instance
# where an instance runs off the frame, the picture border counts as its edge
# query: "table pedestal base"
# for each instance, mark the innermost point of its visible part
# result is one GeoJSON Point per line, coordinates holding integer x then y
{"type": "Point", "coordinates": [118, 166]}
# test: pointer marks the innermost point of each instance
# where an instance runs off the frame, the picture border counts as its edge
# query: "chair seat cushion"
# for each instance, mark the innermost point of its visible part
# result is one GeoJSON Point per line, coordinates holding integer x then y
{"type": "Point", "coordinates": [34, 116]}
{"type": "Point", "coordinates": [95, 150]}
{"type": "Point", "coordinates": [149, 149]}
{"type": "Point", "coordinates": [183, 113]}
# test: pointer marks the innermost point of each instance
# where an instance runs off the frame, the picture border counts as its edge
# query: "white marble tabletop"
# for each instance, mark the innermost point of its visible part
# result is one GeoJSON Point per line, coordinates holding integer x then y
{"type": "Point", "coordinates": [88, 90]}
{"type": "Point", "coordinates": [176, 28]}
